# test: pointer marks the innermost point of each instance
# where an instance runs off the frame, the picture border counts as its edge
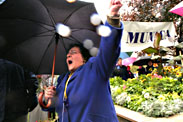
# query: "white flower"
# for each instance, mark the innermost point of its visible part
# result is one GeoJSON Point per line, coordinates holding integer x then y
{"type": "Point", "coordinates": [169, 112]}
{"type": "Point", "coordinates": [161, 98]}
{"type": "Point", "coordinates": [146, 95]}
{"type": "Point", "coordinates": [120, 99]}
{"type": "Point", "coordinates": [143, 92]}
{"type": "Point", "coordinates": [124, 94]}
{"type": "Point", "coordinates": [128, 99]}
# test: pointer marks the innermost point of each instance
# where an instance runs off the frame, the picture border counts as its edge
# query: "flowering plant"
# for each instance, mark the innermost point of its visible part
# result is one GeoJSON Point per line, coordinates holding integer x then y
{"type": "Point", "coordinates": [151, 94]}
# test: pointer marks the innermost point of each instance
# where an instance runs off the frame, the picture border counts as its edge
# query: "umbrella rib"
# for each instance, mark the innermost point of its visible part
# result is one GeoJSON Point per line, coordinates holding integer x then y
{"type": "Point", "coordinates": [78, 29]}
{"type": "Point", "coordinates": [74, 12]}
{"type": "Point", "coordinates": [41, 24]}
{"type": "Point", "coordinates": [33, 21]}
{"type": "Point", "coordinates": [74, 39]}
{"type": "Point", "coordinates": [51, 17]}
{"type": "Point", "coordinates": [44, 54]}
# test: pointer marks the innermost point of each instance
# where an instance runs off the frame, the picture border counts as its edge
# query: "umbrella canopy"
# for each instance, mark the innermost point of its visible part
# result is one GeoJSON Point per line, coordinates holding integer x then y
{"type": "Point", "coordinates": [145, 59]}
{"type": "Point", "coordinates": [128, 61]}
{"type": "Point", "coordinates": [142, 60]}
{"type": "Point", "coordinates": [27, 32]}
{"type": "Point", "coordinates": [178, 9]}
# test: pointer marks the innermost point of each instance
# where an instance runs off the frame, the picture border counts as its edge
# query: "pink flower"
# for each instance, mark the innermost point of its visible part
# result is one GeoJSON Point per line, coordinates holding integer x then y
{"type": "Point", "coordinates": [157, 76]}
{"type": "Point", "coordinates": [124, 87]}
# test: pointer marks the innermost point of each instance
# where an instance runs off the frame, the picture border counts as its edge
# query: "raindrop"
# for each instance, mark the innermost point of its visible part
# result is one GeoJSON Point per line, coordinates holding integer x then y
{"type": "Point", "coordinates": [95, 19]}
{"type": "Point", "coordinates": [2, 1]}
{"type": "Point", "coordinates": [93, 51]}
{"type": "Point", "coordinates": [103, 30]}
{"type": "Point", "coordinates": [88, 44]}
{"type": "Point", "coordinates": [71, 1]}
{"type": "Point", "coordinates": [63, 30]}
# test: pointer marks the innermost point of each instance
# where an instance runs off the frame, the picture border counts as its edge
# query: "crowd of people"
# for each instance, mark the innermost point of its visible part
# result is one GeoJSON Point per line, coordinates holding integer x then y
{"type": "Point", "coordinates": [122, 70]}
{"type": "Point", "coordinates": [146, 70]}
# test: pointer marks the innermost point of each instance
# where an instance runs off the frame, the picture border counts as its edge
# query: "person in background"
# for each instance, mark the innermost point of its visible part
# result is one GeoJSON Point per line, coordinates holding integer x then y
{"type": "Point", "coordinates": [121, 70]}
{"type": "Point", "coordinates": [17, 92]}
{"type": "Point", "coordinates": [83, 94]}
{"type": "Point", "coordinates": [131, 75]}
{"type": "Point", "coordinates": [141, 70]}
{"type": "Point", "coordinates": [149, 67]}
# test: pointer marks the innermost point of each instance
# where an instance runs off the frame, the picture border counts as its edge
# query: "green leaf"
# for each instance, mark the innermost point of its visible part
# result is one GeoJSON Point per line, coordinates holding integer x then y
{"type": "Point", "coordinates": [150, 50]}
{"type": "Point", "coordinates": [157, 40]}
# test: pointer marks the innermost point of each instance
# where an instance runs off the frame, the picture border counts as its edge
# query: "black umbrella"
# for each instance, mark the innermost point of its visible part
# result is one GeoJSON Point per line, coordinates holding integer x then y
{"type": "Point", "coordinates": [145, 59]}
{"type": "Point", "coordinates": [142, 60]}
{"type": "Point", "coordinates": [27, 31]}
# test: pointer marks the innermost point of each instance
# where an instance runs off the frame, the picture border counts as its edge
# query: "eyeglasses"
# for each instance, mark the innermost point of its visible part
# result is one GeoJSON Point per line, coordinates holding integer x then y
{"type": "Point", "coordinates": [72, 52]}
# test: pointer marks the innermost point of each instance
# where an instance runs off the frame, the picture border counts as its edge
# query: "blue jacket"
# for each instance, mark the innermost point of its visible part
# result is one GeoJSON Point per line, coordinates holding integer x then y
{"type": "Point", "coordinates": [88, 91]}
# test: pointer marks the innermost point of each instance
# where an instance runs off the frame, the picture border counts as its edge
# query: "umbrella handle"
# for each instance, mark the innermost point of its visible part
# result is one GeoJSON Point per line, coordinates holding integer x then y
{"type": "Point", "coordinates": [40, 99]}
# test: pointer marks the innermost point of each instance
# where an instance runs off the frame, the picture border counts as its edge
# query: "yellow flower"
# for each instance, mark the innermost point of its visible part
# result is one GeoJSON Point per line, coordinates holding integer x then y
{"type": "Point", "coordinates": [161, 98]}
{"type": "Point", "coordinates": [179, 67]}
{"type": "Point", "coordinates": [178, 74]}
{"type": "Point", "coordinates": [165, 67]}
{"type": "Point", "coordinates": [143, 80]}
{"type": "Point", "coordinates": [169, 67]}
{"type": "Point", "coordinates": [130, 80]}
{"type": "Point", "coordinates": [175, 95]}
{"type": "Point", "coordinates": [176, 69]}
{"type": "Point", "coordinates": [170, 70]}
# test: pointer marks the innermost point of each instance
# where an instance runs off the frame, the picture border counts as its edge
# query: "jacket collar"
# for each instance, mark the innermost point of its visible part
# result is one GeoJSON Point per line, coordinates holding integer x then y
{"type": "Point", "coordinates": [74, 74]}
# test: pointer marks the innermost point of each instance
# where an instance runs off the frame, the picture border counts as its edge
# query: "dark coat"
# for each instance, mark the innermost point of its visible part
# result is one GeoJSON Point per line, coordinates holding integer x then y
{"type": "Point", "coordinates": [149, 69]}
{"type": "Point", "coordinates": [122, 72]}
{"type": "Point", "coordinates": [141, 70]}
{"type": "Point", "coordinates": [17, 91]}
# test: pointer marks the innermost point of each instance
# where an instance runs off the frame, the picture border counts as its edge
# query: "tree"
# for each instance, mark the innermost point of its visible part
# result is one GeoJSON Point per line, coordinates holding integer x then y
{"type": "Point", "coordinates": [152, 11]}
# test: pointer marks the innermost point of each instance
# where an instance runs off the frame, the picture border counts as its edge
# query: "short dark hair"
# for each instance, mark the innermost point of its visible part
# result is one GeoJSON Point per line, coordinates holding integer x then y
{"type": "Point", "coordinates": [84, 52]}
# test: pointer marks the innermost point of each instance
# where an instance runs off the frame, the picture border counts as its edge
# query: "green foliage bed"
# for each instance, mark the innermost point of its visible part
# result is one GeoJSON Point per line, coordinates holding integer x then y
{"type": "Point", "coordinates": [151, 94]}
